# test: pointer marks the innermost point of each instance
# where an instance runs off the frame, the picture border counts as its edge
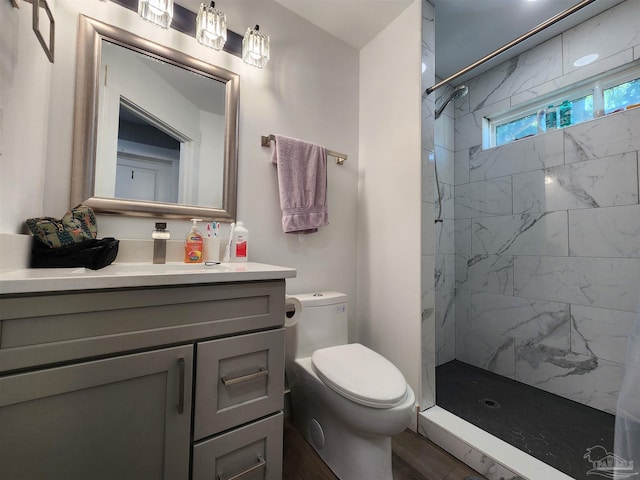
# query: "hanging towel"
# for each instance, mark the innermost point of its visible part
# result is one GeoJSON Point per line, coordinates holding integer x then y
{"type": "Point", "coordinates": [302, 178]}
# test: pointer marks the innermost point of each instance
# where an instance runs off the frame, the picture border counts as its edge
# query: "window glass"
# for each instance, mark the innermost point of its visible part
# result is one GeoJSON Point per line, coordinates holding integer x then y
{"type": "Point", "coordinates": [615, 98]}
{"type": "Point", "coordinates": [582, 109]}
{"type": "Point", "coordinates": [618, 97]}
{"type": "Point", "coordinates": [517, 129]}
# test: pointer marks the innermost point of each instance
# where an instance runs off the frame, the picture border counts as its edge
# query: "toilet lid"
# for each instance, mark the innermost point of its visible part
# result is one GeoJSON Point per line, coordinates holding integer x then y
{"type": "Point", "coordinates": [360, 374]}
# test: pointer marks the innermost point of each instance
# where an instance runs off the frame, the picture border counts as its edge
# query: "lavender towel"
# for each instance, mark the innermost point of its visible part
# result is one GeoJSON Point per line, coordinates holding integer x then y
{"type": "Point", "coordinates": [302, 178]}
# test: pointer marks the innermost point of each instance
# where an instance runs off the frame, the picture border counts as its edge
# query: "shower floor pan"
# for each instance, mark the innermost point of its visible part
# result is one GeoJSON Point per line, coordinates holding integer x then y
{"type": "Point", "coordinates": [548, 427]}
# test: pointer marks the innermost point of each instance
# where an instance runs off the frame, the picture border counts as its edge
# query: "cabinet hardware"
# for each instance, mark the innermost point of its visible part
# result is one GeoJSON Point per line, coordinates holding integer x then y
{"type": "Point", "coordinates": [245, 378]}
{"type": "Point", "coordinates": [180, 386]}
{"type": "Point", "coordinates": [261, 464]}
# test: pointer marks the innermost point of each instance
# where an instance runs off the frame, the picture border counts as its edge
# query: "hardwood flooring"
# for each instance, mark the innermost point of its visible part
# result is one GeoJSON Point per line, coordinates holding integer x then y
{"type": "Point", "coordinates": [414, 458]}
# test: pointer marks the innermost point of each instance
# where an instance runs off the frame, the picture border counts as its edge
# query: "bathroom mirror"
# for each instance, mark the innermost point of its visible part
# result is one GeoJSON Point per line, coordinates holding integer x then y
{"type": "Point", "coordinates": [155, 130]}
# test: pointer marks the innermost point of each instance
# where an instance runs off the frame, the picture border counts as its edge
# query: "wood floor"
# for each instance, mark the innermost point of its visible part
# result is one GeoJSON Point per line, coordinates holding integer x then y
{"type": "Point", "coordinates": [414, 458]}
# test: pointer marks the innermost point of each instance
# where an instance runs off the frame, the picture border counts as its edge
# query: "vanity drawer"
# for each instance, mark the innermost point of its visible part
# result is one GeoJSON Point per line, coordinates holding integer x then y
{"type": "Point", "coordinates": [57, 327]}
{"type": "Point", "coordinates": [254, 450]}
{"type": "Point", "coordinates": [238, 379]}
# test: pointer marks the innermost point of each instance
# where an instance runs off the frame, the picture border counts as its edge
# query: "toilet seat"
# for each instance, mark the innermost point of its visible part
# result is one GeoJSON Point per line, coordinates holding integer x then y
{"type": "Point", "coordinates": [360, 374]}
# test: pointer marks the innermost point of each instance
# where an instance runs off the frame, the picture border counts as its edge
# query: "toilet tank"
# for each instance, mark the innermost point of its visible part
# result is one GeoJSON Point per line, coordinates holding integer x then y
{"type": "Point", "coordinates": [322, 322]}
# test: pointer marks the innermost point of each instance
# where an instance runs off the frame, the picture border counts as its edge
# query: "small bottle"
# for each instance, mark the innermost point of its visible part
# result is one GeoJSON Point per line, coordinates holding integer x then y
{"type": "Point", "coordinates": [565, 114]}
{"type": "Point", "coordinates": [212, 243]}
{"type": "Point", "coordinates": [541, 117]}
{"type": "Point", "coordinates": [193, 244]}
{"type": "Point", "coordinates": [551, 121]}
{"type": "Point", "coordinates": [598, 100]}
{"type": "Point", "coordinates": [240, 243]}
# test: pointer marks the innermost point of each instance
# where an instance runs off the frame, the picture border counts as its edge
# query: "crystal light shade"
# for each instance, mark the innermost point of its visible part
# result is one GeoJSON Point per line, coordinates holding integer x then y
{"type": "Point", "coordinates": [255, 47]}
{"type": "Point", "coordinates": [211, 26]}
{"type": "Point", "coordinates": [159, 12]}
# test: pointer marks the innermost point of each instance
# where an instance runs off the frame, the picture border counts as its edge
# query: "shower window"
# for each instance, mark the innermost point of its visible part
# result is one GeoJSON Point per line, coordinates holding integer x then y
{"type": "Point", "coordinates": [621, 90]}
{"type": "Point", "coordinates": [516, 129]}
{"type": "Point", "coordinates": [620, 96]}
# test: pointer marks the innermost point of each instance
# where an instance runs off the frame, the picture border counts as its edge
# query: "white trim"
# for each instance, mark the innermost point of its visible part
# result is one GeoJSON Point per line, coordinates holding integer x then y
{"type": "Point", "coordinates": [488, 455]}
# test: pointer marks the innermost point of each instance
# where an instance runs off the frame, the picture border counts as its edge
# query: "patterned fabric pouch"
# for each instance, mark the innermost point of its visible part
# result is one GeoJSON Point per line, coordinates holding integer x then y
{"type": "Point", "coordinates": [70, 242]}
{"type": "Point", "coordinates": [77, 225]}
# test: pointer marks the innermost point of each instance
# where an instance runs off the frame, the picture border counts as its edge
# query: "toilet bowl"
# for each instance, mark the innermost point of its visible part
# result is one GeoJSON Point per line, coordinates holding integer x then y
{"type": "Point", "coordinates": [347, 400]}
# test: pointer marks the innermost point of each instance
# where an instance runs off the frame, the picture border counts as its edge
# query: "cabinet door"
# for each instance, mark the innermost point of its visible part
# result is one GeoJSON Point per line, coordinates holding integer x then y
{"type": "Point", "coordinates": [119, 418]}
{"type": "Point", "coordinates": [252, 452]}
{"type": "Point", "coordinates": [238, 379]}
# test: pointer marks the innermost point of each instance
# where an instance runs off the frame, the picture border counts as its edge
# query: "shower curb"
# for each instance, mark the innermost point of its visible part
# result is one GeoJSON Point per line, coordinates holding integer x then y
{"type": "Point", "coordinates": [488, 455]}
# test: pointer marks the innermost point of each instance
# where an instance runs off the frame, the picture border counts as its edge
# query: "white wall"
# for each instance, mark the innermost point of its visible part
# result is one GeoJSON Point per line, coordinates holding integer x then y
{"type": "Point", "coordinates": [389, 229]}
{"type": "Point", "coordinates": [308, 90]}
{"type": "Point", "coordinates": [313, 88]}
{"type": "Point", "coordinates": [25, 74]}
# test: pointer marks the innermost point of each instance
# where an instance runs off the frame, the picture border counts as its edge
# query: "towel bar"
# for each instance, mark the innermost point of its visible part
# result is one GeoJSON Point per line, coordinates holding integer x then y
{"type": "Point", "coordinates": [340, 157]}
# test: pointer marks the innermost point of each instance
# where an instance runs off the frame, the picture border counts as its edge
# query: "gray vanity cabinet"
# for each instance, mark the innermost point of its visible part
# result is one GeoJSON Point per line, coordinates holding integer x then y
{"type": "Point", "coordinates": [126, 417]}
{"type": "Point", "coordinates": [100, 384]}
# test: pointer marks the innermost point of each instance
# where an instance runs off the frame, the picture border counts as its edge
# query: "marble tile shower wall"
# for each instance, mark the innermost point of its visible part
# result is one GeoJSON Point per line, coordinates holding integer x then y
{"type": "Point", "coordinates": [428, 357]}
{"type": "Point", "coordinates": [547, 229]}
{"type": "Point", "coordinates": [444, 232]}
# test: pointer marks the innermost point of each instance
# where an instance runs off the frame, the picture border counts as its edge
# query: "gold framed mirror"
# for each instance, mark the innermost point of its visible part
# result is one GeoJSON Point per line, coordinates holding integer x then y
{"type": "Point", "coordinates": [155, 130]}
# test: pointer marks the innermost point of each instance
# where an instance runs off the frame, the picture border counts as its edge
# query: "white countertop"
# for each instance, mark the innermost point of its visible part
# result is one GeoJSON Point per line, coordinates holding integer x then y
{"type": "Point", "coordinates": [122, 275]}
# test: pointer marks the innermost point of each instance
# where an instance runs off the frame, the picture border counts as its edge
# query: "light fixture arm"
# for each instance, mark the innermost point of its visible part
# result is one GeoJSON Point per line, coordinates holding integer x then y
{"type": "Point", "coordinates": [37, 5]}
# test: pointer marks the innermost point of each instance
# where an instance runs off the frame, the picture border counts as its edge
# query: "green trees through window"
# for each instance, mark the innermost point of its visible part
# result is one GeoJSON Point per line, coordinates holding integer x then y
{"type": "Point", "coordinates": [616, 98]}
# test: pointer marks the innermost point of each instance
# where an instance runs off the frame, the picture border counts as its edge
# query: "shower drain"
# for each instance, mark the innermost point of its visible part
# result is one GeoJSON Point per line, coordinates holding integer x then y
{"type": "Point", "coordinates": [488, 402]}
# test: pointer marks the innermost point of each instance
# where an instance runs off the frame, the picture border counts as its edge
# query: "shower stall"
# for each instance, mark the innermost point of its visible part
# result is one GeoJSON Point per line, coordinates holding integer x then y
{"type": "Point", "coordinates": [536, 259]}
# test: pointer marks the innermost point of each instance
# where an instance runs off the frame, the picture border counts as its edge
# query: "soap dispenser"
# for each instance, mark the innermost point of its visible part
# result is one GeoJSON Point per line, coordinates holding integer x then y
{"type": "Point", "coordinates": [160, 236]}
{"type": "Point", "coordinates": [193, 244]}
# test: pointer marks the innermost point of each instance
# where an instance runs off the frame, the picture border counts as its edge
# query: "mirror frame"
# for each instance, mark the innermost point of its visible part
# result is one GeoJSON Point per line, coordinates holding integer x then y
{"type": "Point", "coordinates": [91, 32]}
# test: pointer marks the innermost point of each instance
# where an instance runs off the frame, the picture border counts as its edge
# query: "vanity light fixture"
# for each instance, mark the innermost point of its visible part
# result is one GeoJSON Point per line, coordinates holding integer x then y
{"type": "Point", "coordinates": [159, 12]}
{"type": "Point", "coordinates": [255, 47]}
{"type": "Point", "coordinates": [211, 26]}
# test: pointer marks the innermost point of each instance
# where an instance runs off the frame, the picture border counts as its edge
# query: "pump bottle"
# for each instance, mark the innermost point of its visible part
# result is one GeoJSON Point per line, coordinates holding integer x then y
{"type": "Point", "coordinates": [193, 244]}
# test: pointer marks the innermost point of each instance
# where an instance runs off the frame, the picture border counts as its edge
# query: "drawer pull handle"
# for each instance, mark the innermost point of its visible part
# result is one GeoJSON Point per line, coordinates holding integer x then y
{"type": "Point", "coordinates": [180, 386]}
{"type": "Point", "coordinates": [263, 372]}
{"type": "Point", "coordinates": [262, 463]}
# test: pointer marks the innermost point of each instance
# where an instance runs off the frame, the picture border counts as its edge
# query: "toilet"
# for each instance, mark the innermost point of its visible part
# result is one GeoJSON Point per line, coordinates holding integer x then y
{"type": "Point", "coordinates": [347, 400]}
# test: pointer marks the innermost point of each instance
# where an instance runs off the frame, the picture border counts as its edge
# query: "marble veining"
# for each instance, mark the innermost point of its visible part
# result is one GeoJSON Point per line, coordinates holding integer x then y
{"type": "Point", "coordinates": [535, 321]}
{"type": "Point", "coordinates": [471, 455]}
{"type": "Point", "coordinates": [600, 332]}
{"type": "Point", "coordinates": [605, 232]}
{"type": "Point", "coordinates": [601, 66]}
{"type": "Point", "coordinates": [595, 34]}
{"type": "Point", "coordinates": [484, 198]}
{"type": "Point", "coordinates": [462, 232]}
{"type": "Point", "coordinates": [445, 241]}
{"type": "Point", "coordinates": [485, 273]}
{"type": "Point", "coordinates": [598, 282]}
{"type": "Point", "coordinates": [590, 184]}
{"type": "Point", "coordinates": [461, 164]}
{"type": "Point", "coordinates": [427, 260]}
{"type": "Point", "coordinates": [427, 174]}
{"type": "Point", "coordinates": [528, 69]}
{"type": "Point", "coordinates": [533, 153]}
{"type": "Point", "coordinates": [526, 234]}
{"type": "Point", "coordinates": [597, 139]}
{"type": "Point", "coordinates": [582, 378]}
{"type": "Point", "coordinates": [492, 352]}
{"type": "Point", "coordinates": [445, 327]}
